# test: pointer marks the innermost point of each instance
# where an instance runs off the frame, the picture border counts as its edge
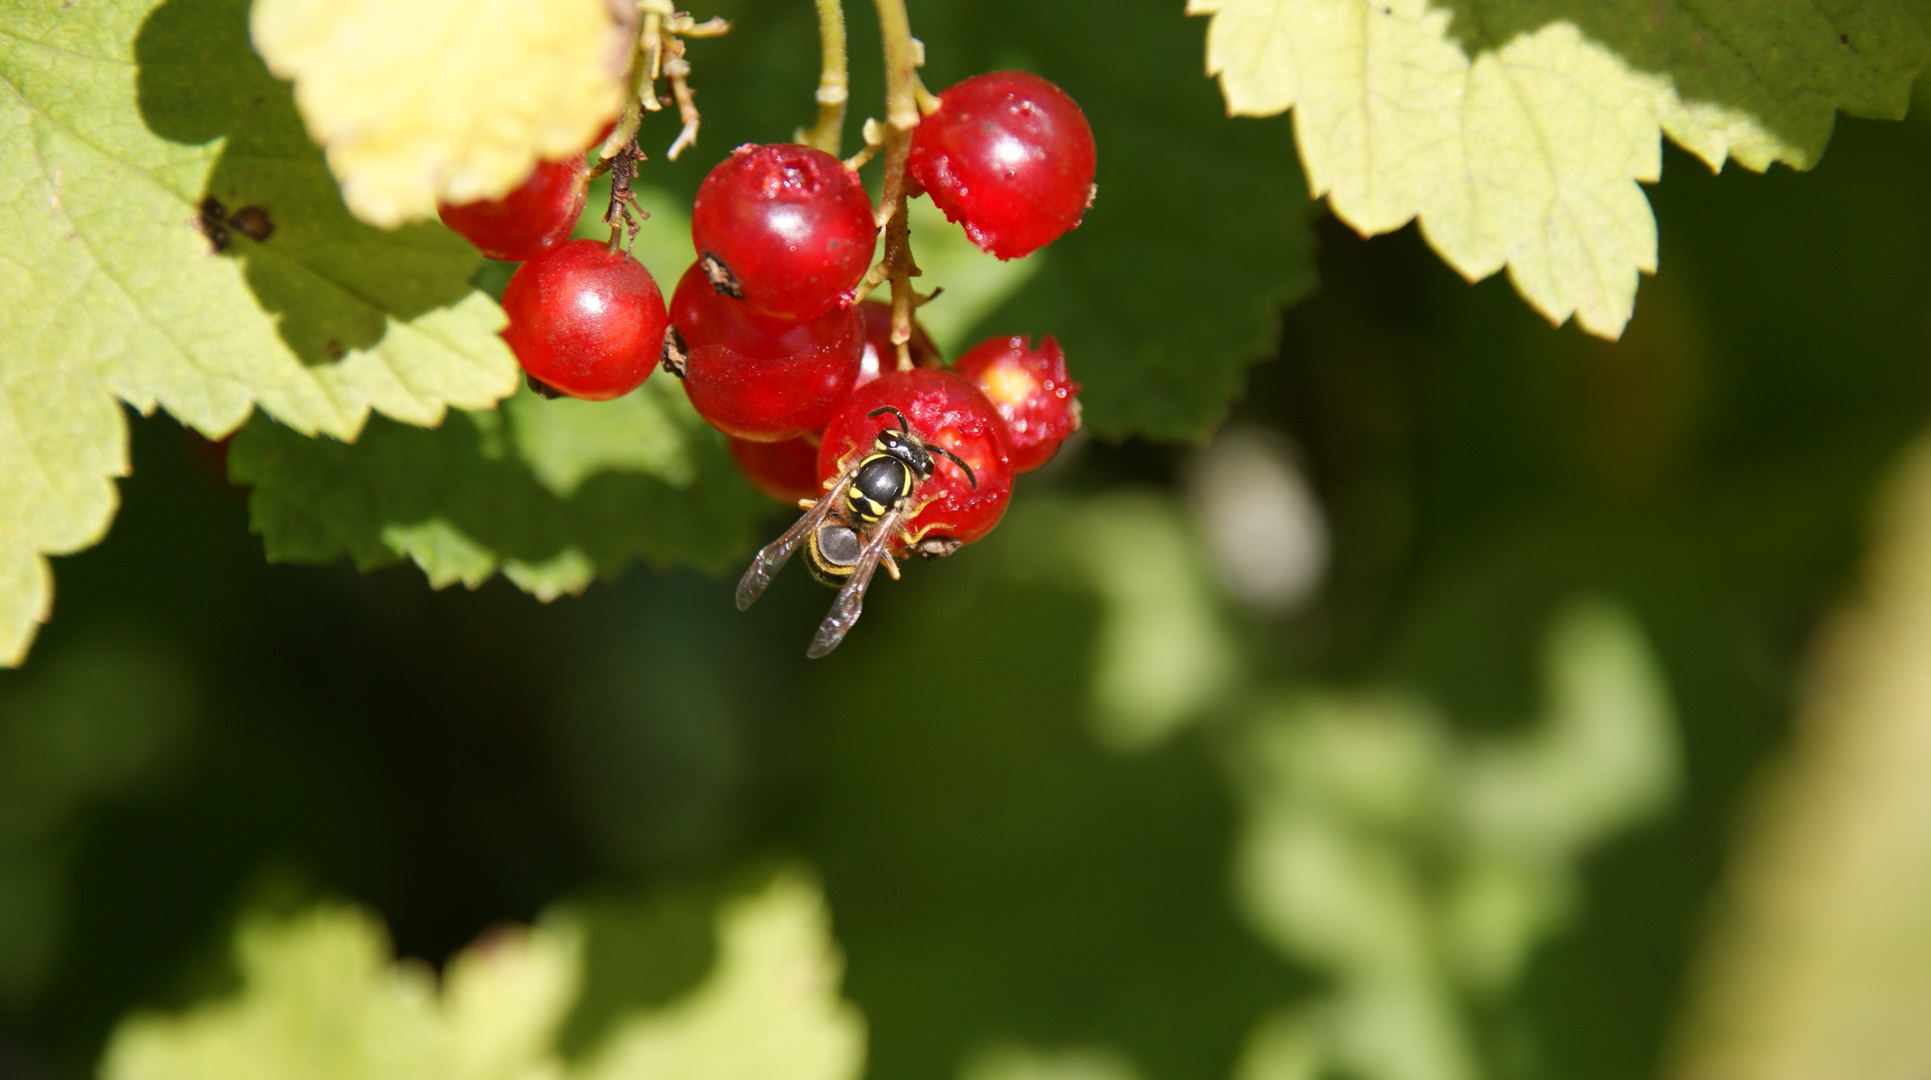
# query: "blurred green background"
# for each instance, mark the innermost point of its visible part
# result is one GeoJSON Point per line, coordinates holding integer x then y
{"type": "Point", "coordinates": [1401, 730]}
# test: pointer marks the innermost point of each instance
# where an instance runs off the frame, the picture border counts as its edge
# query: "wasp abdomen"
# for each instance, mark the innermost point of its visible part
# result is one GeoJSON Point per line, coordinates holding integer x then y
{"type": "Point", "coordinates": [832, 552]}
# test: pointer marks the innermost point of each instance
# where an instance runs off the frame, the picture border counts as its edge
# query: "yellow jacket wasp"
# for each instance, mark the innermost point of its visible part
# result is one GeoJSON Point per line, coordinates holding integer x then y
{"type": "Point", "coordinates": [846, 533]}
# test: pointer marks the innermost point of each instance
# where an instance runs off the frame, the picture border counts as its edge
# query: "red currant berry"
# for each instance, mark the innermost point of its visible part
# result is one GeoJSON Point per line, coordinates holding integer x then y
{"type": "Point", "coordinates": [585, 321]}
{"type": "Point", "coordinates": [785, 228]}
{"type": "Point", "coordinates": [787, 471]}
{"type": "Point", "coordinates": [880, 353]}
{"type": "Point", "coordinates": [1009, 156]}
{"type": "Point", "coordinates": [945, 411]}
{"type": "Point", "coordinates": [762, 379]}
{"type": "Point", "coordinates": [530, 220]}
{"type": "Point", "coordinates": [1030, 389]}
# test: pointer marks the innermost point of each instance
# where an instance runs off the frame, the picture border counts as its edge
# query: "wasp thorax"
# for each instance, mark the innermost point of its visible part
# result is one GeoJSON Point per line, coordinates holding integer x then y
{"type": "Point", "coordinates": [882, 480]}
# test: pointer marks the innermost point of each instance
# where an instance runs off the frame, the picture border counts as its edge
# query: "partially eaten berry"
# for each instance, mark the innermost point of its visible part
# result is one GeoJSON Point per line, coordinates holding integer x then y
{"type": "Point", "coordinates": [945, 411]}
{"type": "Point", "coordinates": [1030, 389]}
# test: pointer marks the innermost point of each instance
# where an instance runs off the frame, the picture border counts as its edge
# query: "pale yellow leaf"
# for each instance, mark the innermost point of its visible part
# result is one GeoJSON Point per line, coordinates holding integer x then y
{"type": "Point", "coordinates": [424, 101]}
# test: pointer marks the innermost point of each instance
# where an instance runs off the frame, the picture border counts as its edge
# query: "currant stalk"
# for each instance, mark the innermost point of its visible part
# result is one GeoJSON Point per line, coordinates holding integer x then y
{"type": "Point", "coordinates": [903, 55]}
{"type": "Point", "coordinates": [834, 83]}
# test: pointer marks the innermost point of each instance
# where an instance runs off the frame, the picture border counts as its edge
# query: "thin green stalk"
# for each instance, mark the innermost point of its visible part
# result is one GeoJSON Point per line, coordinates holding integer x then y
{"type": "Point", "coordinates": [834, 84]}
{"type": "Point", "coordinates": [902, 57]}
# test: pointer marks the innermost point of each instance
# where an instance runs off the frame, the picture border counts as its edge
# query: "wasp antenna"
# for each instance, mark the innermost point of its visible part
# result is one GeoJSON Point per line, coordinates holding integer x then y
{"type": "Point", "coordinates": [963, 467]}
{"type": "Point", "coordinates": [904, 425]}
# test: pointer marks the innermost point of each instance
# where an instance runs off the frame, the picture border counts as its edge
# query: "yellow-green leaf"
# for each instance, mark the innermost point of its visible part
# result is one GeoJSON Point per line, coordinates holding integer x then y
{"type": "Point", "coordinates": [443, 100]}
{"type": "Point", "coordinates": [770, 1009]}
{"type": "Point", "coordinates": [119, 120]}
{"type": "Point", "coordinates": [323, 999]}
{"type": "Point", "coordinates": [1517, 131]}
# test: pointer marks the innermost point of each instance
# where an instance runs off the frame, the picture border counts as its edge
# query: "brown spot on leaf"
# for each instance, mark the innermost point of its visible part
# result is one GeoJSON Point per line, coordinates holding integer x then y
{"type": "Point", "coordinates": [253, 222]}
{"type": "Point", "coordinates": [210, 220]}
{"type": "Point", "coordinates": [334, 349]}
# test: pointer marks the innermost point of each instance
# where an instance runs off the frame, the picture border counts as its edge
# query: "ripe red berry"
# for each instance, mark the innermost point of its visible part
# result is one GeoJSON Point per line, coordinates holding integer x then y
{"type": "Point", "coordinates": [762, 379]}
{"type": "Point", "coordinates": [585, 321]}
{"type": "Point", "coordinates": [1030, 389]}
{"type": "Point", "coordinates": [1009, 156]}
{"type": "Point", "coordinates": [946, 411]}
{"type": "Point", "coordinates": [532, 219]}
{"type": "Point", "coordinates": [787, 471]}
{"type": "Point", "coordinates": [880, 353]}
{"type": "Point", "coordinates": [785, 228]}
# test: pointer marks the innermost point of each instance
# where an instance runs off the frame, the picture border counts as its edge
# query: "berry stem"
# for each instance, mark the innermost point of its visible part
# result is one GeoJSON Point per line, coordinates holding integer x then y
{"type": "Point", "coordinates": [660, 39]}
{"type": "Point", "coordinates": [678, 70]}
{"type": "Point", "coordinates": [834, 85]}
{"type": "Point", "coordinates": [903, 54]}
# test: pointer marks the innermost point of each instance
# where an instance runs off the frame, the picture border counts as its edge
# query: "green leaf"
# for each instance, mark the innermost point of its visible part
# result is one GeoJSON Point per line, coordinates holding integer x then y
{"type": "Point", "coordinates": [322, 998]}
{"type": "Point", "coordinates": [769, 1009]}
{"type": "Point", "coordinates": [1517, 131]}
{"type": "Point", "coordinates": [552, 493]}
{"type": "Point", "coordinates": [444, 100]}
{"type": "Point", "coordinates": [1173, 283]}
{"type": "Point", "coordinates": [116, 123]}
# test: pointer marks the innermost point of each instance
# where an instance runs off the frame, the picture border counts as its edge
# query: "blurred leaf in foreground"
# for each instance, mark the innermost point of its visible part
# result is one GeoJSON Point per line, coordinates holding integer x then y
{"type": "Point", "coordinates": [769, 1010]}
{"type": "Point", "coordinates": [118, 125]}
{"type": "Point", "coordinates": [1164, 655]}
{"type": "Point", "coordinates": [1419, 871]}
{"type": "Point", "coordinates": [444, 100]}
{"type": "Point", "coordinates": [323, 998]}
{"type": "Point", "coordinates": [1517, 131]}
{"type": "Point", "coordinates": [1819, 958]}
{"type": "Point", "coordinates": [1011, 1062]}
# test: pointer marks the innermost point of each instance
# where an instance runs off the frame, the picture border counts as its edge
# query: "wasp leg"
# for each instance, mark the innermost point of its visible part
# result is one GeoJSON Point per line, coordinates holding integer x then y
{"type": "Point", "coordinates": [891, 566]}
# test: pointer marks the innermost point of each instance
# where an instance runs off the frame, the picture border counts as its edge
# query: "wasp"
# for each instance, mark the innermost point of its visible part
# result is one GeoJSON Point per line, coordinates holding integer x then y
{"type": "Point", "coordinates": [846, 532]}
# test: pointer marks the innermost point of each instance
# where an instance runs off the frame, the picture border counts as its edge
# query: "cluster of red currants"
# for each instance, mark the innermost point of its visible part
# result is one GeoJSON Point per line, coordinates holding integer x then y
{"type": "Point", "coordinates": [775, 347]}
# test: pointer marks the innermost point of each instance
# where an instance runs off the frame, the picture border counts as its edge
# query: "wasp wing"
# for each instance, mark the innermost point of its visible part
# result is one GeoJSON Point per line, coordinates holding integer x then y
{"type": "Point", "coordinates": [851, 599]}
{"type": "Point", "coordinates": [765, 566]}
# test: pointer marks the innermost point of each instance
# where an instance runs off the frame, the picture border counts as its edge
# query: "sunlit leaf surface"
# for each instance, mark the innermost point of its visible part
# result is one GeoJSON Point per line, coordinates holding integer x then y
{"type": "Point", "coordinates": [1517, 131]}
{"type": "Point", "coordinates": [118, 123]}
